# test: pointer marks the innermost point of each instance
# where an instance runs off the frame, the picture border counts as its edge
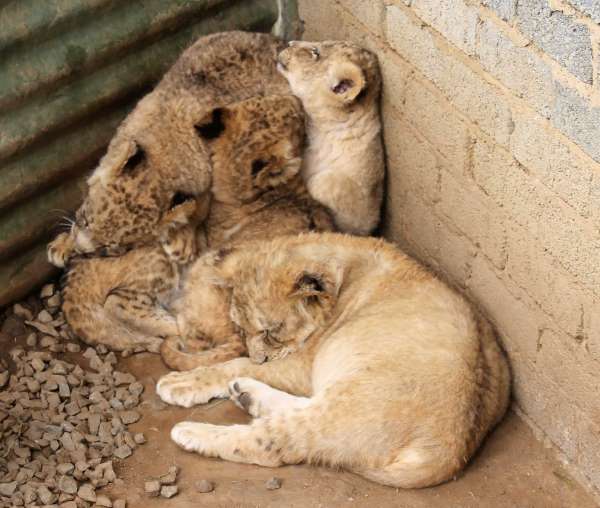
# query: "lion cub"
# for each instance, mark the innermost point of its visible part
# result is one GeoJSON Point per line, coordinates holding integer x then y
{"type": "Point", "coordinates": [339, 85]}
{"type": "Point", "coordinates": [257, 193]}
{"type": "Point", "coordinates": [129, 302]}
{"type": "Point", "coordinates": [370, 362]}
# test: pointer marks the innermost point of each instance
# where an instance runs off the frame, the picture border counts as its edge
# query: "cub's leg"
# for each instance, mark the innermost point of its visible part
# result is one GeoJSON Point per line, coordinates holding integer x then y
{"type": "Point", "coordinates": [259, 399]}
{"type": "Point", "coordinates": [291, 374]}
{"type": "Point", "coordinates": [141, 312]}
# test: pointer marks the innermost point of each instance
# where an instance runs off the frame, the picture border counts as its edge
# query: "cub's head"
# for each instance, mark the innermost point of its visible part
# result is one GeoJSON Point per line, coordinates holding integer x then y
{"type": "Point", "coordinates": [331, 74]}
{"type": "Point", "coordinates": [255, 146]}
{"type": "Point", "coordinates": [153, 178]}
{"type": "Point", "coordinates": [279, 299]}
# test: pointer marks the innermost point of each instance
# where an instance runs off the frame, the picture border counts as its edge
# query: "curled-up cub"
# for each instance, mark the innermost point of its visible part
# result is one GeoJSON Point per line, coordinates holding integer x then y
{"type": "Point", "coordinates": [339, 85]}
{"type": "Point", "coordinates": [359, 358]}
{"type": "Point", "coordinates": [257, 194]}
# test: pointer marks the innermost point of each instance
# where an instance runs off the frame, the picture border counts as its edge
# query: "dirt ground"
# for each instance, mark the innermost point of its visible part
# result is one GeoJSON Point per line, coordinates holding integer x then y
{"type": "Point", "coordinates": [512, 469]}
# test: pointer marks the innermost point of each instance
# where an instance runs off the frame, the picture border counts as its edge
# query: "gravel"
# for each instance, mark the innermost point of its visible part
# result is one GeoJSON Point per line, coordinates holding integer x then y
{"type": "Point", "coordinates": [60, 435]}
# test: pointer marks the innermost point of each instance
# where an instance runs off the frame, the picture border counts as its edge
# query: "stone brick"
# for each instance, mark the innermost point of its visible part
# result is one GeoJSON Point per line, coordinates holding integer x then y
{"type": "Point", "coordinates": [369, 13]}
{"type": "Point", "coordinates": [464, 87]}
{"type": "Point", "coordinates": [559, 35]}
{"type": "Point", "coordinates": [475, 216]}
{"type": "Point", "coordinates": [567, 303]}
{"type": "Point", "coordinates": [412, 165]}
{"type": "Point", "coordinates": [589, 7]}
{"type": "Point", "coordinates": [455, 20]}
{"type": "Point", "coordinates": [435, 119]}
{"type": "Point", "coordinates": [504, 8]}
{"type": "Point", "coordinates": [540, 149]}
{"type": "Point", "coordinates": [578, 119]}
{"type": "Point", "coordinates": [568, 237]}
{"type": "Point", "coordinates": [507, 306]}
{"type": "Point", "coordinates": [516, 67]}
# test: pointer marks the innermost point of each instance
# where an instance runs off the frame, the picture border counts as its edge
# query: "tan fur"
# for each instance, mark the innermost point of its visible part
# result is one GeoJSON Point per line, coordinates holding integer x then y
{"type": "Point", "coordinates": [339, 85]}
{"type": "Point", "coordinates": [257, 193]}
{"type": "Point", "coordinates": [157, 155]}
{"type": "Point", "coordinates": [372, 364]}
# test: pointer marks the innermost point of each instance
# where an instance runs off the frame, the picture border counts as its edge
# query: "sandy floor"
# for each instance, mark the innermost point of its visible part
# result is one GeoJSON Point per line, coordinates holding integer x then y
{"type": "Point", "coordinates": [512, 470]}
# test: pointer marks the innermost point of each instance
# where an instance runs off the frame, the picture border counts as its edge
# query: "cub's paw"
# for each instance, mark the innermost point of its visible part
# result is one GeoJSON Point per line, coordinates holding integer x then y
{"type": "Point", "coordinates": [190, 388]}
{"type": "Point", "coordinates": [192, 436]}
{"type": "Point", "coordinates": [60, 250]}
{"type": "Point", "coordinates": [254, 397]}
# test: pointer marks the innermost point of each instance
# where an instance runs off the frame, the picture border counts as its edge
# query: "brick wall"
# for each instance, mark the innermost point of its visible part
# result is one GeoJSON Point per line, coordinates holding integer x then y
{"type": "Point", "coordinates": [491, 115]}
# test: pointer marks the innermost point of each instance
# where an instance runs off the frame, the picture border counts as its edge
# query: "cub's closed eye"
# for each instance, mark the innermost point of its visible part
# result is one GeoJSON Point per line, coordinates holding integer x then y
{"type": "Point", "coordinates": [135, 160]}
{"type": "Point", "coordinates": [258, 165]}
{"type": "Point", "coordinates": [180, 198]}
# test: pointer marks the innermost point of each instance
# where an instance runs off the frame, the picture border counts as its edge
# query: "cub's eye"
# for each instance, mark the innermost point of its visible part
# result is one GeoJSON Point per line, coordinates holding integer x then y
{"type": "Point", "coordinates": [180, 198]}
{"type": "Point", "coordinates": [135, 160]}
{"type": "Point", "coordinates": [258, 165]}
{"type": "Point", "coordinates": [315, 53]}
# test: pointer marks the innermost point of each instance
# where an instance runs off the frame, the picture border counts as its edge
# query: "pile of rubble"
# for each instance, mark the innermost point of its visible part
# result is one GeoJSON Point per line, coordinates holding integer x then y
{"type": "Point", "coordinates": [61, 425]}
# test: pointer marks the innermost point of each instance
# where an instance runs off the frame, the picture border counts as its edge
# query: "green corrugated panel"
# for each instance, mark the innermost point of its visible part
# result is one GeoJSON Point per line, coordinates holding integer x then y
{"type": "Point", "coordinates": [70, 70]}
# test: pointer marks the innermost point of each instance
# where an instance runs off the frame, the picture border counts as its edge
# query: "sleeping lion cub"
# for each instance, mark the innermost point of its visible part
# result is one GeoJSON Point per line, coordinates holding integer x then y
{"type": "Point", "coordinates": [129, 301]}
{"type": "Point", "coordinates": [359, 358]}
{"type": "Point", "coordinates": [257, 193]}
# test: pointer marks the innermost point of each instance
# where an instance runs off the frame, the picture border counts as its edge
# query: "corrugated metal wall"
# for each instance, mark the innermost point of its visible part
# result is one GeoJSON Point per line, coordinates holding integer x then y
{"type": "Point", "coordinates": [70, 70]}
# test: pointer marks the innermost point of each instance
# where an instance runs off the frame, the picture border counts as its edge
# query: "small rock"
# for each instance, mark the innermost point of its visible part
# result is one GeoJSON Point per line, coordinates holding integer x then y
{"type": "Point", "coordinates": [170, 477]}
{"type": "Point", "coordinates": [273, 483]}
{"type": "Point", "coordinates": [152, 488]}
{"type": "Point", "coordinates": [204, 486]}
{"type": "Point", "coordinates": [103, 501]}
{"type": "Point", "coordinates": [68, 504]}
{"type": "Point", "coordinates": [4, 376]}
{"type": "Point", "coordinates": [139, 438]}
{"type": "Point", "coordinates": [44, 317]}
{"type": "Point", "coordinates": [22, 312]}
{"type": "Point", "coordinates": [45, 496]}
{"type": "Point", "coordinates": [44, 328]}
{"type": "Point", "coordinates": [101, 349]}
{"type": "Point", "coordinates": [53, 301]}
{"type": "Point", "coordinates": [47, 291]}
{"type": "Point", "coordinates": [65, 468]}
{"type": "Point", "coordinates": [8, 489]}
{"type": "Point", "coordinates": [123, 378]}
{"type": "Point", "coordinates": [87, 493]}
{"type": "Point", "coordinates": [122, 452]}
{"type": "Point", "coordinates": [73, 347]}
{"type": "Point", "coordinates": [128, 417]}
{"type": "Point", "coordinates": [67, 484]}
{"type": "Point", "coordinates": [169, 491]}
{"type": "Point", "coordinates": [31, 340]}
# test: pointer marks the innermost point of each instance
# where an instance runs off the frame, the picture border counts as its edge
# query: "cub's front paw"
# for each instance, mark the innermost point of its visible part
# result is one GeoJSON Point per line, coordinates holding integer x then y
{"type": "Point", "coordinates": [192, 436]}
{"type": "Point", "coordinates": [60, 250]}
{"type": "Point", "coordinates": [189, 388]}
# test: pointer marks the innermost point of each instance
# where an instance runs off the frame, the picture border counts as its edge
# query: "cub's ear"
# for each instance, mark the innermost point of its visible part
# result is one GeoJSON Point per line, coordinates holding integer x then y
{"type": "Point", "coordinates": [182, 209]}
{"type": "Point", "coordinates": [346, 81]}
{"type": "Point", "coordinates": [319, 286]}
{"type": "Point", "coordinates": [121, 158]}
{"type": "Point", "coordinates": [212, 125]}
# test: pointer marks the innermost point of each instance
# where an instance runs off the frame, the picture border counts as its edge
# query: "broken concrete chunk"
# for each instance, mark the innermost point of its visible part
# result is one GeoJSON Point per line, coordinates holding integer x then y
{"type": "Point", "coordinates": [47, 291]}
{"type": "Point", "coordinates": [122, 452]}
{"type": "Point", "coordinates": [87, 493]}
{"type": "Point", "coordinates": [152, 488]}
{"type": "Point", "coordinates": [128, 417]}
{"type": "Point", "coordinates": [8, 489]}
{"type": "Point", "coordinates": [273, 483]}
{"type": "Point", "coordinates": [67, 484]}
{"type": "Point", "coordinates": [31, 340]}
{"type": "Point", "coordinates": [53, 301]}
{"type": "Point", "coordinates": [73, 347]}
{"type": "Point", "coordinates": [4, 377]}
{"type": "Point", "coordinates": [139, 438]}
{"type": "Point", "coordinates": [169, 491]}
{"type": "Point", "coordinates": [22, 312]}
{"type": "Point", "coordinates": [123, 378]}
{"type": "Point", "coordinates": [204, 486]}
{"type": "Point", "coordinates": [45, 495]}
{"type": "Point", "coordinates": [44, 317]}
{"type": "Point", "coordinates": [103, 501]}
{"type": "Point", "coordinates": [42, 327]}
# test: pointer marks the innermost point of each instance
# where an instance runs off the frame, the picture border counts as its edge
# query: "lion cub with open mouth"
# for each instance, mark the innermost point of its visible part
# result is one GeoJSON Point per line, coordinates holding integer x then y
{"type": "Point", "coordinates": [359, 358]}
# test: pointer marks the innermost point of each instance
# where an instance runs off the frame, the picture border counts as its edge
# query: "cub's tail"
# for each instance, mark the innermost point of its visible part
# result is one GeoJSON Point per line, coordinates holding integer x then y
{"type": "Point", "coordinates": [178, 354]}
